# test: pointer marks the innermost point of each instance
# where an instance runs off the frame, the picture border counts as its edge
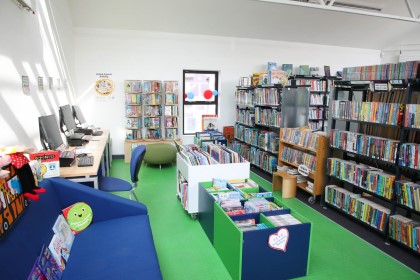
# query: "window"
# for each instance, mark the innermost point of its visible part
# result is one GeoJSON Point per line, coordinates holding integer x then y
{"type": "Point", "coordinates": [196, 102]}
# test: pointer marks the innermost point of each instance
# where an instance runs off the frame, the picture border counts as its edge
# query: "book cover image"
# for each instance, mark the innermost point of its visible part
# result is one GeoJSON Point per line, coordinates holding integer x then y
{"type": "Point", "coordinates": [48, 266]}
{"type": "Point", "coordinates": [327, 71]}
{"type": "Point", "coordinates": [78, 216]}
{"type": "Point", "coordinates": [62, 228]}
{"type": "Point", "coordinates": [288, 68]}
{"type": "Point", "coordinates": [36, 273]}
{"type": "Point", "coordinates": [58, 250]}
{"type": "Point", "coordinates": [209, 122]}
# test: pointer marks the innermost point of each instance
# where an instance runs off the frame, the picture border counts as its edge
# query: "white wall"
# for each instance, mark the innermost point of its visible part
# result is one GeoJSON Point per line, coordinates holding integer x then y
{"type": "Point", "coordinates": [142, 55]}
{"type": "Point", "coordinates": [29, 47]}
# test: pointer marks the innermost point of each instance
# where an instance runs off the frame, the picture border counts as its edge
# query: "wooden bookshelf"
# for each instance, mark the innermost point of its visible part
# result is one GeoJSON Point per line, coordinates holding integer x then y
{"type": "Point", "coordinates": [317, 176]}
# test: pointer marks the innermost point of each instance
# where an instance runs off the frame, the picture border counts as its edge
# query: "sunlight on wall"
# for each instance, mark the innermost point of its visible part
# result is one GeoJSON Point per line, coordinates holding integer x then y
{"type": "Point", "coordinates": [8, 71]}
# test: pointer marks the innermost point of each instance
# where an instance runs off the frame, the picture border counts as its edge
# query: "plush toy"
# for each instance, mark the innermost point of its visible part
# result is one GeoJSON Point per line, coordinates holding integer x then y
{"type": "Point", "coordinates": [23, 170]}
{"type": "Point", "coordinates": [4, 161]}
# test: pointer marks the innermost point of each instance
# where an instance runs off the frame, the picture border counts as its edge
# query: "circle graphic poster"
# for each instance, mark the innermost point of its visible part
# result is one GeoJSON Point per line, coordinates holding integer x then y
{"type": "Point", "coordinates": [104, 87]}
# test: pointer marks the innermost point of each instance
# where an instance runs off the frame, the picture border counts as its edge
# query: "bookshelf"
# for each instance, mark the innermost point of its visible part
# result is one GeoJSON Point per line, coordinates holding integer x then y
{"type": "Point", "coordinates": [189, 176]}
{"type": "Point", "coordinates": [374, 141]}
{"type": "Point", "coordinates": [258, 120]}
{"type": "Point", "coordinates": [151, 110]}
{"type": "Point", "coordinates": [299, 146]}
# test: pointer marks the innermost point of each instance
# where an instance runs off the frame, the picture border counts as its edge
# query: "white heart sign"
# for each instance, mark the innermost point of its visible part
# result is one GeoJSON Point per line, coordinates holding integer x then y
{"type": "Point", "coordinates": [278, 241]}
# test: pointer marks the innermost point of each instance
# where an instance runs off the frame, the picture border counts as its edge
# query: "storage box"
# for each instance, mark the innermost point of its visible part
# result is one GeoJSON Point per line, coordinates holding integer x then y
{"type": "Point", "coordinates": [50, 162]}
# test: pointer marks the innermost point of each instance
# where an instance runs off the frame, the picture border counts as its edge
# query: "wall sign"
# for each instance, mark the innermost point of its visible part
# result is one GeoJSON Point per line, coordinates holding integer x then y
{"type": "Point", "coordinates": [104, 86]}
{"type": "Point", "coordinates": [40, 83]}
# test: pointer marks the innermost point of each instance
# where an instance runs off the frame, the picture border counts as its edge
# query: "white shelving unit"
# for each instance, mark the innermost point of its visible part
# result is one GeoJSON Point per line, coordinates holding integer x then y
{"type": "Point", "coordinates": [195, 174]}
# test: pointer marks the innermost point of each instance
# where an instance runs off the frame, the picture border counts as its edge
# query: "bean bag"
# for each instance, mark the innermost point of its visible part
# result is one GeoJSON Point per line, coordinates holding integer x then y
{"type": "Point", "coordinates": [160, 153]}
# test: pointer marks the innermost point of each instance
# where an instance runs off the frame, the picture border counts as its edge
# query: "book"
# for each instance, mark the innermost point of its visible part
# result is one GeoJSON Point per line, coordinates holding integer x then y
{"type": "Point", "coordinates": [62, 228]}
{"type": "Point", "coordinates": [271, 66]}
{"type": "Point", "coordinates": [278, 77]}
{"type": "Point", "coordinates": [304, 70]}
{"type": "Point", "coordinates": [78, 216]}
{"type": "Point", "coordinates": [209, 122]}
{"type": "Point", "coordinates": [288, 68]}
{"type": "Point", "coordinates": [36, 273]}
{"type": "Point", "coordinates": [327, 71]}
{"type": "Point", "coordinates": [48, 266]}
{"type": "Point", "coordinates": [59, 251]}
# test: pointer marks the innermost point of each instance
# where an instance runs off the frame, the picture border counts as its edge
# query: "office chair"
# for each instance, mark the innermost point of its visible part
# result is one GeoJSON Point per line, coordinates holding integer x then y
{"type": "Point", "coordinates": [112, 184]}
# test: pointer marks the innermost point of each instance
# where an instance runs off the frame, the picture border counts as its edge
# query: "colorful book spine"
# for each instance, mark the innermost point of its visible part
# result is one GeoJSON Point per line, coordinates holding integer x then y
{"type": "Point", "coordinates": [412, 116]}
{"type": "Point", "coordinates": [395, 71]}
{"type": "Point", "coordinates": [245, 116]}
{"type": "Point", "coordinates": [244, 98]}
{"type": "Point", "coordinates": [408, 194]}
{"type": "Point", "coordinates": [405, 230]}
{"type": "Point", "coordinates": [267, 117]}
{"type": "Point", "coordinates": [409, 155]}
{"type": "Point", "coordinates": [303, 138]}
{"type": "Point", "coordinates": [296, 157]}
{"type": "Point", "coordinates": [267, 96]}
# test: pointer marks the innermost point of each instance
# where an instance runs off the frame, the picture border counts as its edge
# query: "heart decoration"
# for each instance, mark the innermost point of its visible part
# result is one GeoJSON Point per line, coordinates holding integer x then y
{"type": "Point", "coordinates": [278, 241]}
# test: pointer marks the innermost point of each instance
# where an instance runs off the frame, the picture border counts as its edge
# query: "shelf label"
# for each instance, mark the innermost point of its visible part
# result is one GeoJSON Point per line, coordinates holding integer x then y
{"type": "Point", "coordinates": [278, 241]}
{"type": "Point", "coordinates": [381, 87]}
{"type": "Point", "coordinates": [303, 170]}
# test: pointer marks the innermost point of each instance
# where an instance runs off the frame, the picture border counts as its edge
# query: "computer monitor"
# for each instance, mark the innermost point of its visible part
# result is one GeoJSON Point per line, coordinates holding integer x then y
{"type": "Point", "coordinates": [49, 132]}
{"type": "Point", "coordinates": [77, 113]}
{"type": "Point", "coordinates": [66, 118]}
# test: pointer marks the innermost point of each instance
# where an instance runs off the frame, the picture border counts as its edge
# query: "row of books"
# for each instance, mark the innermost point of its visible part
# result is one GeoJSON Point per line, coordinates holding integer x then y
{"type": "Point", "coordinates": [412, 116]}
{"type": "Point", "coordinates": [196, 157]}
{"type": "Point", "coordinates": [222, 154]}
{"type": "Point", "coordinates": [146, 86]}
{"type": "Point", "coordinates": [152, 86]}
{"type": "Point", "coordinates": [171, 98]}
{"type": "Point", "coordinates": [317, 114]}
{"type": "Point", "coordinates": [133, 123]}
{"type": "Point", "coordinates": [366, 145]}
{"type": "Point", "coordinates": [357, 206]}
{"type": "Point", "coordinates": [267, 96]}
{"type": "Point", "coordinates": [376, 112]}
{"type": "Point", "coordinates": [153, 134]}
{"type": "Point", "coordinates": [132, 86]}
{"type": "Point", "coordinates": [314, 85]}
{"type": "Point", "coordinates": [395, 71]}
{"type": "Point", "coordinates": [152, 99]}
{"type": "Point", "coordinates": [264, 160]}
{"type": "Point", "coordinates": [317, 126]}
{"type": "Point", "coordinates": [267, 117]}
{"type": "Point", "coordinates": [244, 98]}
{"type": "Point", "coordinates": [297, 157]}
{"type": "Point", "coordinates": [405, 230]}
{"type": "Point", "coordinates": [183, 190]}
{"type": "Point", "coordinates": [133, 99]}
{"type": "Point", "coordinates": [171, 122]}
{"type": "Point", "coordinates": [131, 134]}
{"type": "Point", "coordinates": [283, 220]}
{"type": "Point", "coordinates": [246, 117]}
{"type": "Point", "coordinates": [265, 140]}
{"type": "Point", "coordinates": [152, 122]}
{"type": "Point", "coordinates": [133, 111]}
{"type": "Point", "coordinates": [303, 138]}
{"type": "Point", "coordinates": [258, 205]}
{"type": "Point", "coordinates": [171, 110]}
{"type": "Point", "coordinates": [408, 194]}
{"type": "Point", "coordinates": [409, 155]}
{"type": "Point", "coordinates": [318, 99]}
{"type": "Point", "coordinates": [363, 176]}
{"type": "Point", "coordinates": [152, 111]}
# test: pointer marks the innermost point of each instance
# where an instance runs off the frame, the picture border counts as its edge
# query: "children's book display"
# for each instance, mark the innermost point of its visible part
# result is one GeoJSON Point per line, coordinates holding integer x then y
{"type": "Point", "coordinates": [195, 165]}
{"type": "Point", "coordinates": [213, 136]}
{"type": "Point", "coordinates": [249, 228]}
{"type": "Point", "coordinates": [51, 263]}
{"type": "Point", "coordinates": [151, 109]}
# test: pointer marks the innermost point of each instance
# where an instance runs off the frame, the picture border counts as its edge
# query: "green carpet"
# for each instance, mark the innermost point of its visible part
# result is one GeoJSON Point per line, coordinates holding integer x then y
{"type": "Point", "coordinates": [185, 253]}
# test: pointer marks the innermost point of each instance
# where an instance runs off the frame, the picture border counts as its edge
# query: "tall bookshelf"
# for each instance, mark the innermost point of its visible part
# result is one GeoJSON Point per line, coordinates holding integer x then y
{"type": "Point", "coordinates": [373, 153]}
{"type": "Point", "coordinates": [151, 110]}
{"type": "Point", "coordinates": [258, 120]}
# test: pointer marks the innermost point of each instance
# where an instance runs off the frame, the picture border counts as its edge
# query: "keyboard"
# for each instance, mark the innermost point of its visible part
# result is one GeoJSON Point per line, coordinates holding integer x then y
{"type": "Point", "coordinates": [76, 136]}
{"type": "Point", "coordinates": [87, 137]}
{"type": "Point", "coordinates": [97, 133]}
{"type": "Point", "coordinates": [85, 161]}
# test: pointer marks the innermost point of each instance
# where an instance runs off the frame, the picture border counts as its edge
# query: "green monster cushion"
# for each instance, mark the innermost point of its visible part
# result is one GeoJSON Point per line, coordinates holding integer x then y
{"type": "Point", "coordinates": [160, 153]}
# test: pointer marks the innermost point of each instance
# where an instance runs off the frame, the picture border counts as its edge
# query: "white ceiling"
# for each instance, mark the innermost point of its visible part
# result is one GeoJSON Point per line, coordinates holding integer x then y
{"type": "Point", "coordinates": [253, 19]}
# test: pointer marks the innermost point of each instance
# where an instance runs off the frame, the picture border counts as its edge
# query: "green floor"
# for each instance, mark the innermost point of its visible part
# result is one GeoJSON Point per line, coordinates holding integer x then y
{"type": "Point", "coordinates": [185, 252]}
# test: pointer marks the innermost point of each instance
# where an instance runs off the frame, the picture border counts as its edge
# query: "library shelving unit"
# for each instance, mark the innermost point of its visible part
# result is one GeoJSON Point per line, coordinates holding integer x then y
{"type": "Point", "coordinates": [133, 109]}
{"type": "Point", "coordinates": [303, 147]}
{"type": "Point", "coordinates": [171, 109]}
{"type": "Point", "coordinates": [189, 176]}
{"type": "Point", "coordinates": [257, 253]}
{"type": "Point", "coordinates": [375, 155]}
{"type": "Point", "coordinates": [146, 122]}
{"type": "Point", "coordinates": [258, 120]}
{"type": "Point", "coordinates": [319, 88]}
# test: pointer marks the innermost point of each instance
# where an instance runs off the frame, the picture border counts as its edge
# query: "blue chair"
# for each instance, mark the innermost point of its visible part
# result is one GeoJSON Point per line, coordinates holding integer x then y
{"type": "Point", "coordinates": [112, 184]}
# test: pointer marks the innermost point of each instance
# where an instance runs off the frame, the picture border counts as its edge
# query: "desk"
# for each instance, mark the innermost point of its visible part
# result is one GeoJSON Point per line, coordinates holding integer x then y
{"type": "Point", "coordinates": [100, 150]}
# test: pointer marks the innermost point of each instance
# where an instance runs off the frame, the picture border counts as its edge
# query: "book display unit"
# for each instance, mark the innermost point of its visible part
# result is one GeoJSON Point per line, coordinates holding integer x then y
{"type": "Point", "coordinates": [189, 176]}
{"type": "Point", "coordinates": [151, 113]}
{"type": "Point", "coordinates": [258, 238]}
{"type": "Point", "coordinates": [258, 120]}
{"type": "Point", "coordinates": [303, 147]}
{"type": "Point", "coordinates": [374, 157]}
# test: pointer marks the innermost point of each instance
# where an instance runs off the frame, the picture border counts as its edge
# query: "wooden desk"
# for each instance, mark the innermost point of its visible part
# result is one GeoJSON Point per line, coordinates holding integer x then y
{"type": "Point", "coordinates": [100, 151]}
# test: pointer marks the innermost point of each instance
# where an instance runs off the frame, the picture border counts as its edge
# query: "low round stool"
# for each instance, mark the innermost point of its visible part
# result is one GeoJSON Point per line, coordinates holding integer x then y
{"type": "Point", "coordinates": [160, 153]}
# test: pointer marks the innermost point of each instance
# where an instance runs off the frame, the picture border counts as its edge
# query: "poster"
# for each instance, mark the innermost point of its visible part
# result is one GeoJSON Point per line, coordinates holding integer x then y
{"type": "Point", "coordinates": [25, 84]}
{"type": "Point", "coordinates": [40, 83]}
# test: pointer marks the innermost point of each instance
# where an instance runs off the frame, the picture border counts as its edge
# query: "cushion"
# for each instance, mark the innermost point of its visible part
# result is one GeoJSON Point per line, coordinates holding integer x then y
{"type": "Point", "coordinates": [130, 255]}
{"type": "Point", "coordinates": [160, 153]}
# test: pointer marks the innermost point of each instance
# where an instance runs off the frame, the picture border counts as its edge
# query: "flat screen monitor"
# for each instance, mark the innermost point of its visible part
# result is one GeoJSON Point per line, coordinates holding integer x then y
{"type": "Point", "coordinates": [78, 114]}
{"type": "Point", "coordinates": [49, 132]}
{"type": "Point", "coordinates": [66, 115]}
